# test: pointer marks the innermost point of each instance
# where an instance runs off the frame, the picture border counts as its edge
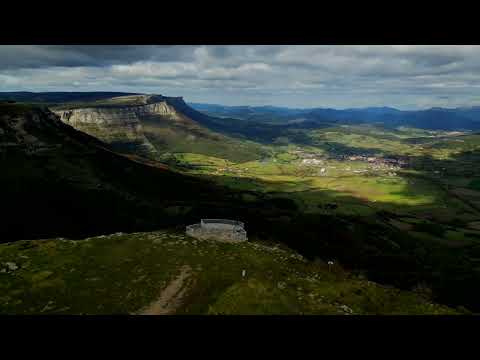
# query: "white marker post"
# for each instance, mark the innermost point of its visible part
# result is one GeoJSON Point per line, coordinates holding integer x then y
{"type": "Point", "coordinates": [243, 273]}
{"type": "Point", "coordinates": [330, 263]}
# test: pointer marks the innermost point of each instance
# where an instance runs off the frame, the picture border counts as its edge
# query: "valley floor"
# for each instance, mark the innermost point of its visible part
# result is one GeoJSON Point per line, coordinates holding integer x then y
{"type": "Point", "coordinates": [421, 180]}
{"type": "Point", "coordinates": [422, 185]}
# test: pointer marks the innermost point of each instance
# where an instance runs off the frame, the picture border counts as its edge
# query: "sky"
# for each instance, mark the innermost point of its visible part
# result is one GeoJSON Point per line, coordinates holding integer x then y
{"type": "Point", "coordinates": [298, 76]}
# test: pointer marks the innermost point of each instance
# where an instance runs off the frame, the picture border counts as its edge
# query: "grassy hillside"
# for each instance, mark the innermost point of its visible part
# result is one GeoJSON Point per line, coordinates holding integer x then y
{"type": "Point", "coordinates": [185, 131]}
{"type": "Point", "coordinates": [180, 129]}
{"type": "Point", "coordinates": [183, 135]}
{"type": "Point", "coordinates": [406, 223]}
{"type": "Point", "coordinates": [123, 274]}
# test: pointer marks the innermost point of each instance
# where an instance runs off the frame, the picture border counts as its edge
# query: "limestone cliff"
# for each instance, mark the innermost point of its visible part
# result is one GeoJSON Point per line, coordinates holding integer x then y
{"type": "Point", "coordinates": [150, 125]}
{"type": "Point", "coordinates": [118, 121]}
{"type": "Point", "coordinates": [119, 127]}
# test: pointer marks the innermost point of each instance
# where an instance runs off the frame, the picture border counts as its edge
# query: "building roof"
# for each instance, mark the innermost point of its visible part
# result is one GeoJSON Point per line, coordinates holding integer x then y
{"type": "Point", "coordinates": [222, 221]}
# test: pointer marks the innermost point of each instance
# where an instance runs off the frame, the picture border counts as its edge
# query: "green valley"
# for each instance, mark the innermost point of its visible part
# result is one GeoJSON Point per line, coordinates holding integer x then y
{"type": "Point", "coordinates": [400, 205]}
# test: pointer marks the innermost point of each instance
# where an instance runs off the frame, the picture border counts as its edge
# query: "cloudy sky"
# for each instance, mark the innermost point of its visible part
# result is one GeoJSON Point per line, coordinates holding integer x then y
{"type": "Point", "coordinates": [405, 77]}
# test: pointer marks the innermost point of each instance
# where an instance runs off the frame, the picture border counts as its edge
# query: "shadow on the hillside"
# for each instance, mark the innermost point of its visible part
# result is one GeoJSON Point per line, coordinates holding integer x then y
{"type": "Point", "coordinates": [264, 133]}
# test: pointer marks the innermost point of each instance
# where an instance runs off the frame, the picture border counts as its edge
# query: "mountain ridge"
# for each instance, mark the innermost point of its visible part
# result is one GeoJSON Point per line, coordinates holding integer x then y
{"type": "Point", "coordinates": [151, 125]}
{"type": "Point", "coordinates": [65, 96]}
{"type": "Point", "coordinates": [435, 118]}
{"type": "Point", "coordinates": [462, 118]}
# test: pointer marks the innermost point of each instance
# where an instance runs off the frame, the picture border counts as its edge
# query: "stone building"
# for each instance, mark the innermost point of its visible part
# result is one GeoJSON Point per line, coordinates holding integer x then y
{"type": "Point", "coordinates": [218, 229]}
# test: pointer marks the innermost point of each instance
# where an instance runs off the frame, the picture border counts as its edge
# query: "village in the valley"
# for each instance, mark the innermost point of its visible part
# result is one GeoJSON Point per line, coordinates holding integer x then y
{"type": "Point", "coordinates": [310, 164]}
{"type": "Point", "coordinates": [373, 163]}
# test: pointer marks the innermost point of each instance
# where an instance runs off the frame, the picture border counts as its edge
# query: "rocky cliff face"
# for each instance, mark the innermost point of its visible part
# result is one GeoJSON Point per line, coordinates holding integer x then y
{"type": "Point", "coordinates": [120, 123]}
{"type": "Point", "coordinates": [31, 130]}
{"type": "Point", "coordinates": [119, 127]}
{"type": "Point", "coordinates": [150, 125]}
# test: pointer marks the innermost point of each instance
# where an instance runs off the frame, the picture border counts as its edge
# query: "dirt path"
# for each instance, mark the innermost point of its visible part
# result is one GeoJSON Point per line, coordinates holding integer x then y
{"type": "Point", "coordinates": [170, 297]}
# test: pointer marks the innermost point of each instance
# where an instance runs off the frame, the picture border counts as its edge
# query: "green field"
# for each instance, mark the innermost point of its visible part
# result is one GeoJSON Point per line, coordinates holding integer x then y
{"type": "Point", "coordinates": [433, 185]}
{"type": "Point", "coordinates": [433, 199]}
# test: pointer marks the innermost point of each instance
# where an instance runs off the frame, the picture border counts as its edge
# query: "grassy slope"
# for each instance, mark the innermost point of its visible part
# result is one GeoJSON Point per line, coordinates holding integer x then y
{"type": "Point", "coordinates": [435, 200]}
{"type": "Point", "coordinates": [185, 136]}
{"type": "Point", "coordinates": [120, 274]}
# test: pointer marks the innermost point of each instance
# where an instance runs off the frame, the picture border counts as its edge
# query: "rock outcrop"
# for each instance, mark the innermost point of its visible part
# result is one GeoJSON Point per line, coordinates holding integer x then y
{"type": "Point", "coordinates": [149, 125]}
{"type": "Point", "coordinates": [119, 127]}
{"type": "Point", "coordinates": [119, 122]}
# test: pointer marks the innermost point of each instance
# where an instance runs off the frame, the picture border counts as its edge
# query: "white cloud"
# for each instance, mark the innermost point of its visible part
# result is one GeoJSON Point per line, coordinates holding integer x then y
{"type": "Point", "coordinates": [333, 76]}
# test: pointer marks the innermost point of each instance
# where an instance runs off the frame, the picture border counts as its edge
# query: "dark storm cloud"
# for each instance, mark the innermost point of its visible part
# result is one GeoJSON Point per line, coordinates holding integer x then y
{"type": "Point", "coordinates": [37, 56]}
{"type": "Point", "coordinates": [297, 76]}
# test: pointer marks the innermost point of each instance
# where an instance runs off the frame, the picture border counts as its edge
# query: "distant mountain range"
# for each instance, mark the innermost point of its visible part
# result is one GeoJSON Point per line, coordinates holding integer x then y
{"type": "Point", "coordinates": [465, 118]}
{"type": "Point", "coordinates": [437, 118]}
